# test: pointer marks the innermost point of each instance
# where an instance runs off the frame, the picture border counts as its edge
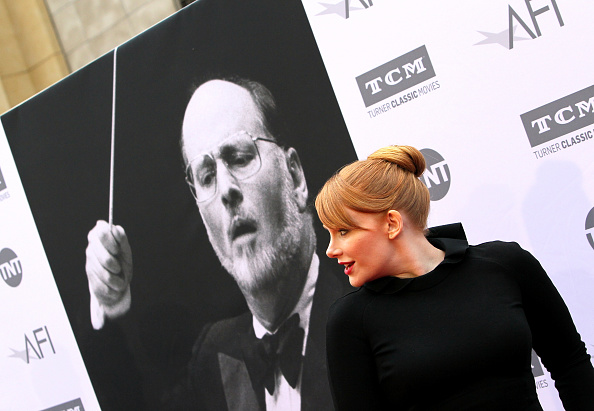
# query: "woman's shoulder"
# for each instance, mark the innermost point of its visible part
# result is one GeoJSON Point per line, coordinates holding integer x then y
{"type": "Point", "coordinates": [353, 297]}
{"type": "Point", "coordinates": [508, 254]}
{"type": "Point", "coordinates": [350, 305]}
{"type": "Point", "coordinates": [498, 248]}
{"type": "Point", "coordinates": [498, 245]}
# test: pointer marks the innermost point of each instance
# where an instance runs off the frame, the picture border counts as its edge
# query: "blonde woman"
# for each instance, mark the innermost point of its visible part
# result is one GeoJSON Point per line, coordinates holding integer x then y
{"type": "Point", "coordinates": [436, 324]}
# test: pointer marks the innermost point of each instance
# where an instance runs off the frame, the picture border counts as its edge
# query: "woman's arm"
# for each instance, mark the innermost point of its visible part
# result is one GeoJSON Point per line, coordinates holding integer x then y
{"type": "Point", "coordinates": [555, 337]}
{"type": "Point", "coordinates": [351, 366]}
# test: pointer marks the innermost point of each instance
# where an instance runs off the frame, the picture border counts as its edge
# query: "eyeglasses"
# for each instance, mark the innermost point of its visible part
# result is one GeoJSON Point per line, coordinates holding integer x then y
{"type": "Point", "coordinates": [239, 153]}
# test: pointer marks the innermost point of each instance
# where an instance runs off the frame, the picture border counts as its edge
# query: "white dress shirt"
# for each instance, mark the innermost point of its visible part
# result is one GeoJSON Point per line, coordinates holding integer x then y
{"type": "Point", "coordinates": [285, 397]}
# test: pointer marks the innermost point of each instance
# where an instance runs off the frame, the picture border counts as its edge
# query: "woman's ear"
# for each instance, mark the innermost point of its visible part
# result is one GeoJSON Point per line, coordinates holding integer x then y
{"type": "Point", "coordinates": [394, 224]}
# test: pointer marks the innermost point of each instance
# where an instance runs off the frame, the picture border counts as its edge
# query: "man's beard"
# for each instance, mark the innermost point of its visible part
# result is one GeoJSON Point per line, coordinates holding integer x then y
{"type": "Point", "coordinates": [270, 265]}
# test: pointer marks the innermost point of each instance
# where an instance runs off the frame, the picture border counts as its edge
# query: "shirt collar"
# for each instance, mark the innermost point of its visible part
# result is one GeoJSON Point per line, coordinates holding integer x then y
{"type": "Point", "coordinates": [449, 238]}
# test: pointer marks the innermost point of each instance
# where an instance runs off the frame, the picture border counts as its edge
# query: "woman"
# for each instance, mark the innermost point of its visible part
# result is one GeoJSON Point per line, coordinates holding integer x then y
{"type": "Point", "coordinates": [436, 324]}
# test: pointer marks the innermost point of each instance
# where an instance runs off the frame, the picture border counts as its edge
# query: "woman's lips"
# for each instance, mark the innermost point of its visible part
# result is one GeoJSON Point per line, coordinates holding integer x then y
{"type": "Point", "coordinates": [348, 267]}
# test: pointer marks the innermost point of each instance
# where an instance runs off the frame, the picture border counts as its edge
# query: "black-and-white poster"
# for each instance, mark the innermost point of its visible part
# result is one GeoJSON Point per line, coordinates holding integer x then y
{"type": "Point", "coordinates": [225, 126]}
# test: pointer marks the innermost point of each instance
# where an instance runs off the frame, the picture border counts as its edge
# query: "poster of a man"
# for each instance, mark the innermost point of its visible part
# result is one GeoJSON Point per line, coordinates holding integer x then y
{"type": "Point", "coordinates": [253, 199]}
{"type": "Point", "coordinates": [226, 126]}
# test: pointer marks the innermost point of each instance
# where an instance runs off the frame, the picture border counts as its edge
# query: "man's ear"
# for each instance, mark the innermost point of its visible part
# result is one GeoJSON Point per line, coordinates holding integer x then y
{"type": "Point", "coordinates": [395, 223]}
{"type": "Point", "coordinates": [298, 177]}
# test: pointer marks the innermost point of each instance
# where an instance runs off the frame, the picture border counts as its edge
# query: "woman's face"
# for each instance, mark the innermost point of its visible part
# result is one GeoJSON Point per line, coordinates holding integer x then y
{"type": "Point", "coordinates": [364, 252]}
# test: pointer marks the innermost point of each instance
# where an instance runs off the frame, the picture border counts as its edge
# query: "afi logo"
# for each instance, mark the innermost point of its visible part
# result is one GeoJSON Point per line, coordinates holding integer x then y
{"type": "Point", "coordinates": [529, 24]}
{"type": "Point", "coordinates": [514, 17]}
{"type": "Point", "coordinates": [11, 269]}
{"type": "Point", "coordinates": [34, 346]}
{"type": "Point", "coordinates": [437, 174]}
{"type": "Point", "coordinates": [343, 10]}
{"type": "Point", "coordinates": [348, 8]}
{"type": "Point", "coordinates": [395, 76]}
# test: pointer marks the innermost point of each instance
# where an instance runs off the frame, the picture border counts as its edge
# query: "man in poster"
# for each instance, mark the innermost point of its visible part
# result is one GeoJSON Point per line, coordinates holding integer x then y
{"type": "Point", "coordinates": [252, 196]}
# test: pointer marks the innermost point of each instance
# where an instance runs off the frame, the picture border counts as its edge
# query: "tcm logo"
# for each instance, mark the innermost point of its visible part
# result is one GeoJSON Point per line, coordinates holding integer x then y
{"type": "Point", "coordinates": [343, 8]}
{"type": "Point", "coordinates": [10, 267]}
{"type": "Point", "coordinates": [437, 174]}
{"type": "Point", "coordinates": [74, 405]}
{"type": "Point", "coordinates": [37, 345]}
{"type": "Point", "coordinates": [536, 366]}
{"type": "Point", "coordinates": [395, 76]}
{"type": "Point", "coordinates": [560, 117]}
{"type": "Point", "coordinates": [530, 24]}
{"type": "Point", "coordinates": [590, 228]}
{"type": "Point", "coordinates": [2, 182]}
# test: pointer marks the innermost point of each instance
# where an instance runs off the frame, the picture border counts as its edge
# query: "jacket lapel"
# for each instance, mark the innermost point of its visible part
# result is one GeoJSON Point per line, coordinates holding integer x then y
{"type": "Point", "coordinates": [315, 389]}
{"type": "Point", "coordinates": [237, 386]}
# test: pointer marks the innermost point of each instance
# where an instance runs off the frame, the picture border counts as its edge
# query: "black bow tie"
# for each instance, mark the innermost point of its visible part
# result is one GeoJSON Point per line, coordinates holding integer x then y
{"type": "Point", "coordinates": [280, 350]}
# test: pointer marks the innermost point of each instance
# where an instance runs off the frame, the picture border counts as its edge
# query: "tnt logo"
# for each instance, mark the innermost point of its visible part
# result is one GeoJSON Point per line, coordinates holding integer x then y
{"type": "Point", "coordinates": [437, 174]}
{"type": "Point", "coordinates": [590, 228]}
{"type": "Point", "coordinates": [39, 339]}
{"type": "Point", "coordinates": [10, 267]}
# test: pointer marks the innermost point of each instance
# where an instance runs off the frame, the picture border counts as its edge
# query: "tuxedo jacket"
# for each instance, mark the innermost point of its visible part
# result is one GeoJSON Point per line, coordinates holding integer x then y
{"type": "Point", "coordinates": [218, 376]}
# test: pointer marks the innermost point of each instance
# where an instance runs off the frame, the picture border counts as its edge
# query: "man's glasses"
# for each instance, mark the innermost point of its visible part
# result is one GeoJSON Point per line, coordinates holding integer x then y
{"type": "Point", "coordinates": [239, 153]}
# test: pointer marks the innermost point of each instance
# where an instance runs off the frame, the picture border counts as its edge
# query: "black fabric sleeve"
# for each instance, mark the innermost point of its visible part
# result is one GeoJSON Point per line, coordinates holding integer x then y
{"type": "Point", "coordinates": [554, 335]}
{"type": "Point", "coordinates": [110, 363]}
{"type": "Point", "coordinates": [351, 367]}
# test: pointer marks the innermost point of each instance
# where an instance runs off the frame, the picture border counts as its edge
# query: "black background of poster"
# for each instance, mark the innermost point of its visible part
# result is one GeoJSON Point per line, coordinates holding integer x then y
{"type": "Point", "coordinates": [60, 140]}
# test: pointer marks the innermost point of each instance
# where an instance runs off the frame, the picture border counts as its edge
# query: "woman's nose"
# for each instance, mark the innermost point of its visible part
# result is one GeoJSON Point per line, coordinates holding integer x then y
{"type": "Point", "coordinates": [332, 251]}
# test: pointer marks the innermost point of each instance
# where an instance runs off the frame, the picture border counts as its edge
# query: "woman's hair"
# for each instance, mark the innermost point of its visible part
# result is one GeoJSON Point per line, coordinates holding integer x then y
{"type": "Point", "coordinates": [387, 180]}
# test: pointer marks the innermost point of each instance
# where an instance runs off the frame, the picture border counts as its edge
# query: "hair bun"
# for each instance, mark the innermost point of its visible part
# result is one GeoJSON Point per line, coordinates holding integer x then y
{"type": "Point", "coordinates": [406, 157]}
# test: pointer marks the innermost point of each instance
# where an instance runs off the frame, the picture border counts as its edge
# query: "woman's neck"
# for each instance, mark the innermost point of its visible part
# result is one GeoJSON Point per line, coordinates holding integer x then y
{"type": "Point", "coordinates": [417, 256]}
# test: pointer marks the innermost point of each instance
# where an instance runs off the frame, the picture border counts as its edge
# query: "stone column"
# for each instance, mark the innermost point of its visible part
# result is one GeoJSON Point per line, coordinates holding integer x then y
{"type": "Point", "coordinates": [30, 55]}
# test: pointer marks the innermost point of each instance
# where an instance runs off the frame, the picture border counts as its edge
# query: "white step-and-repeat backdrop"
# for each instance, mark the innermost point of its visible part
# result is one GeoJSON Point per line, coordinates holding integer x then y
{"type": "Point", "coordinates": [499, 95]}
{"type": "Point", "coordinates": [40, 360]}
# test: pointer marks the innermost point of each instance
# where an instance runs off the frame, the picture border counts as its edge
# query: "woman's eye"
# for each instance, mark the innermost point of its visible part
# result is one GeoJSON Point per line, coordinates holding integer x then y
{"type": "Point", "coordinates": [343, 232]}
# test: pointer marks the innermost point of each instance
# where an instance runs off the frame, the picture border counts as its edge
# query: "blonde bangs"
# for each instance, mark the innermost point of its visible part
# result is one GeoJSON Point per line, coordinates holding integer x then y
{"type": "Point", "coordinates": [387, 180]}
{"type": "Point", "coordinates": [331, 207]}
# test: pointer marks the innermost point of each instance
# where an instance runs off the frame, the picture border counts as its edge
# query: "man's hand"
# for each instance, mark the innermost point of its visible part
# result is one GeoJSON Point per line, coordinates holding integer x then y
{"type": "Point", "coordinates": [109, 271]}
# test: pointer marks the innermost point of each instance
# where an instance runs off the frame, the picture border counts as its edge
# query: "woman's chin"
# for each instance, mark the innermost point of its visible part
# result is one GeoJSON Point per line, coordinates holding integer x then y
{"type": "Point", "coordinates": [354, 282]}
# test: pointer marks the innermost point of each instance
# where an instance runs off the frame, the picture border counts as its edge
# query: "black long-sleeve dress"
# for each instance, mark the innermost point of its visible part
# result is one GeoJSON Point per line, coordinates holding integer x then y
{"type": "Point", "coordinates": [457, 338]}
